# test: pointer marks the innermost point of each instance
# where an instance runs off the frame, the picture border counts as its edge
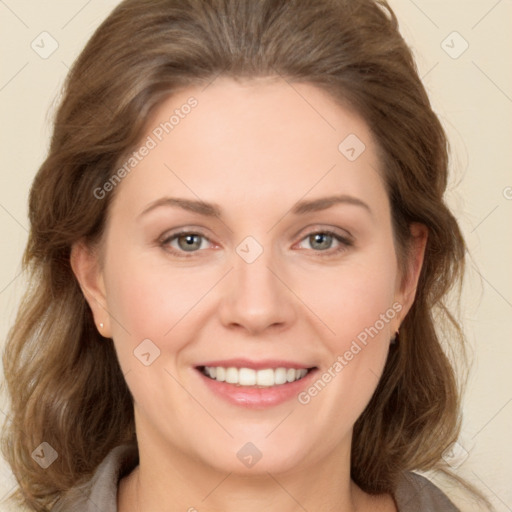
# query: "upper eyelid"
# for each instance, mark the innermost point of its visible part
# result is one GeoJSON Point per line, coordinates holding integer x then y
{"type": "Point", "coordinates": [344, 233]}
{"type": "Point", "coordinates": [182, 231]}
{"type": "Point", "coordinates": [166, 238]}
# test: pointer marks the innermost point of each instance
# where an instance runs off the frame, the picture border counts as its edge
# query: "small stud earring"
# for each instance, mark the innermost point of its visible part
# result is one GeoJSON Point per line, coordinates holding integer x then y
{"type": "Point", "coordinates": [101, 325]}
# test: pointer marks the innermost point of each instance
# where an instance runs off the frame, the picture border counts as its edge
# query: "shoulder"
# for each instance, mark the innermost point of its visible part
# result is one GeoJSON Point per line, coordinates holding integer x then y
{"type": "Point", "coordinates": [415, 493]}
{"type": "Point", "coordinates": [100, 492]}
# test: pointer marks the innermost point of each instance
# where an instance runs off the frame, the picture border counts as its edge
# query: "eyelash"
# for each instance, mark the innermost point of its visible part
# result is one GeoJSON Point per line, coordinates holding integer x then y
{"type": "Point", "coordinates": [344, 242]}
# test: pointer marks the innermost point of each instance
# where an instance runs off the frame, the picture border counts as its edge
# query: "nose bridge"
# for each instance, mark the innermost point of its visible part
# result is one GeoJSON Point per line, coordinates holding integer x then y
{"type": "Point", "coordinates": [255, 298]}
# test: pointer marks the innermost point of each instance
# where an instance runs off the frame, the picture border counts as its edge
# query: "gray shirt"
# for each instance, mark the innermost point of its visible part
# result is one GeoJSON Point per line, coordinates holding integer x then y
{"type": "Point", "coordinates": [413, 494]}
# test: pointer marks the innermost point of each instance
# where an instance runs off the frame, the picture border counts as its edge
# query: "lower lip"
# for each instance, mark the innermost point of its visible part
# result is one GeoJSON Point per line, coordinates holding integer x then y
{"type": "Point", "coordinates": [254, 397]}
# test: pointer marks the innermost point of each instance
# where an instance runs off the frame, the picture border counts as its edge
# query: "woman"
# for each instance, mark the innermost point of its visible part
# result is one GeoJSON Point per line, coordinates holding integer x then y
{"type": "Point", "coordinates": [238, 245]}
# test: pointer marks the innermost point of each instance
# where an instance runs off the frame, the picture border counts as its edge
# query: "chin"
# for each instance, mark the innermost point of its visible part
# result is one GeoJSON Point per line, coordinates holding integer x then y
{"type": "Point", "coordinates": [252, 458]}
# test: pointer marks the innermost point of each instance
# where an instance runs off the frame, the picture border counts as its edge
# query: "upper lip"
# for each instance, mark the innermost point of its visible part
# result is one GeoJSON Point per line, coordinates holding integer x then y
{"type": "Point", "coordinates": [256, 365]}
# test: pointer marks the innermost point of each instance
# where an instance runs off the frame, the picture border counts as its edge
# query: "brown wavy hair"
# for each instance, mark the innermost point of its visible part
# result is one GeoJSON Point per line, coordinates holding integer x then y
{"type": "Point", "coordinates": [64, 381]}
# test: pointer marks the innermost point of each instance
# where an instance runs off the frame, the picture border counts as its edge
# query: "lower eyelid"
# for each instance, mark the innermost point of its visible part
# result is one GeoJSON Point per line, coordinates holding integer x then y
{"type": "Point", "coordinates": [344, 242]}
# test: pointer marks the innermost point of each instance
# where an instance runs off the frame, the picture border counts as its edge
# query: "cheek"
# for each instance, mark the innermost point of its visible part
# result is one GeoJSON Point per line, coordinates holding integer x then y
{"type": "Point", "coordinates": [155, 303]}
{"type": "Point", "coordinates": [351, 299]}
{"type": "Point", "coordinates": [359, 313]}
{"type": "Point", "coordinates": [356, 303]}
{"type": "Point", "coordinates": [147, 300]}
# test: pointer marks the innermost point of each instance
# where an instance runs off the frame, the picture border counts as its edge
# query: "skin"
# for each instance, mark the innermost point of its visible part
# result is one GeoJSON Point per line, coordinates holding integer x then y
{"type": "Point", "coordinates": [255, 149]}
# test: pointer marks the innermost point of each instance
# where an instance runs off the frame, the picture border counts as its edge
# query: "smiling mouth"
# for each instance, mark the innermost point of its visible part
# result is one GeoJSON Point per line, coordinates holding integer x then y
{"type": "Point", "coordinates": [248, 377]}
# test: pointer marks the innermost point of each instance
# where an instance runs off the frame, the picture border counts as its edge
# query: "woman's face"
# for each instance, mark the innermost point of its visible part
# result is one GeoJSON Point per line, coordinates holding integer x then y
{"type": "Point", "coordinates": [251, 240]}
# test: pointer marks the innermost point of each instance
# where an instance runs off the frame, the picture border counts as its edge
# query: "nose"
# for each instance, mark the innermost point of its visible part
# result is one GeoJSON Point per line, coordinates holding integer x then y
{"type": "Point", "coordinates": [255, 297]}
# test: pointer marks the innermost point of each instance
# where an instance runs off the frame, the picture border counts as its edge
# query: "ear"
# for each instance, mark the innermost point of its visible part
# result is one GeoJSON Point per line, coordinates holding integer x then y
{"type": "Point", "coordinates": [407, 279]}
{"type": "Point", "coordinates": [86, 266]}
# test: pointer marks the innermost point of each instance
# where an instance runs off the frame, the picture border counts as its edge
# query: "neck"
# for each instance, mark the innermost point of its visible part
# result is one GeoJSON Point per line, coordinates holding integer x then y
{"type": "Point", "coordinates": [140, 492]}
{"type": "Point", "coordinates": [171, 478]}
{"type": "Point", "coordinates": [178, 483]}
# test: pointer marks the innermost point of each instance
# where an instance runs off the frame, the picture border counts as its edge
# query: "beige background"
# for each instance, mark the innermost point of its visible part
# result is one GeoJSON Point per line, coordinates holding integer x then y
{"type": "Point", "coordinates": [471, 92]}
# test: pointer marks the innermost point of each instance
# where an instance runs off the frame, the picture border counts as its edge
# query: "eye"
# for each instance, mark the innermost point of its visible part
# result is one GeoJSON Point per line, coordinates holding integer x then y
{"type": "Point", "coordinates": [324, 241]}
{"type": "Point", "coordinates": [184, 242]}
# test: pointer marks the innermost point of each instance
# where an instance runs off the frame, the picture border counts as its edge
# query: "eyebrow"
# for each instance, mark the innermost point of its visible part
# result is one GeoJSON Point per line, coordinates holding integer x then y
{"type": "Point", "coordinates": [214, 210]}
{"type": "Point", "coordinates": [201, 207]}
{"type": "Point", "coordinates": [323, 203]}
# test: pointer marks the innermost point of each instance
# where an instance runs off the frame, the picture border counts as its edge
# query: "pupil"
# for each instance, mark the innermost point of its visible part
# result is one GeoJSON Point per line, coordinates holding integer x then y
{"type": "Point", "coordinates": [191, 242]}
{"type": "Point", "coordinates": [322, 240]}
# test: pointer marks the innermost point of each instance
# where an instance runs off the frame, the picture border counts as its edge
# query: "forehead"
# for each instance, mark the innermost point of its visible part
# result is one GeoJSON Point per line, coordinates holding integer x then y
{"type": "Point", "coordinates": [234, 142]}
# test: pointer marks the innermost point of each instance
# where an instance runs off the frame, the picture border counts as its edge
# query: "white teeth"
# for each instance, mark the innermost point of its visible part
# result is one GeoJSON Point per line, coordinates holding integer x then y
{"type": "Point", "coordinates": [246, 376]}
{"type": "Point", "coordinates": [249, 377]}
{"type": "Point", "coordinates": [280, 376]}
{"type": "Point", "coordinates": [220, 374]}
{"type": "Point", "coordinates": [265, 377]}
{"type": "Point", "coordinates": [231, 375]}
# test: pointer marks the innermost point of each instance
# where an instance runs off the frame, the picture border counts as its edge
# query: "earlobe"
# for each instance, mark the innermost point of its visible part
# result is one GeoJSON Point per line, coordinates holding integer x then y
{"type": "Point", "coordinates": [85, 265]}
